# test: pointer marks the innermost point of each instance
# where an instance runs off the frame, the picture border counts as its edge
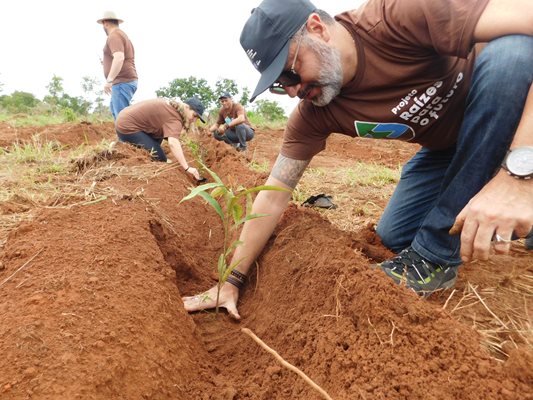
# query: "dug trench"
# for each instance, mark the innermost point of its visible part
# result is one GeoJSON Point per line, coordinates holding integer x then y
{"type": "Point", "coordinates": [90, 306]}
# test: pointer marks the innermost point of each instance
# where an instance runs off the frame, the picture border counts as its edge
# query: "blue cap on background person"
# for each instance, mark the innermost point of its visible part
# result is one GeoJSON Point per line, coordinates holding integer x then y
{"type": "Point", "coordinates": [197, 106]}
{"type": "Point", "coordinates": [267, 34]}
{"type": "Point", "coordinates": [225, 95]}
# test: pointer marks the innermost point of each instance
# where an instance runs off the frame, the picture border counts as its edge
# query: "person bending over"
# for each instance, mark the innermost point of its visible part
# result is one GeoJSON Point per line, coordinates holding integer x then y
{"type": "Point", "coordinates": [452, 75]}
{"type": "Point", "coordinates": [147, 123]}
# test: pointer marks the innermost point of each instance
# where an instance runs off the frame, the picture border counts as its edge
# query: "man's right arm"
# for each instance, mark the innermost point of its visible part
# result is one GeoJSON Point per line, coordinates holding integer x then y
{"type": "Point", "coordinates": [286, 173]}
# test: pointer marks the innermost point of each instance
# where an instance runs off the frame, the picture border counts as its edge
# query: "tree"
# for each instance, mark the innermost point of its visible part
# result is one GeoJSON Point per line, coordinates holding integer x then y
{"type": "Point", "coordinates": [226, 86]}
{"type": "Point", "coordinates": [270, 110]}
{"type": "Point", "coordinates": [184, 88]}
{"type": "Point", "coordinates": [55, 90]}
{"type": "Point", "coordinates": [92, 92]}
{"type": "Point", "coordinates": [19, 102]}
{"type": "Point", "coordinates": [245, 98]}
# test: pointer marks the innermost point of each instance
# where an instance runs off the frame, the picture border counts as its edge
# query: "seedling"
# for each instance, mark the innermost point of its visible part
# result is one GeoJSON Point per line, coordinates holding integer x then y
{"type": "Point", "coordinates": [227, 204]}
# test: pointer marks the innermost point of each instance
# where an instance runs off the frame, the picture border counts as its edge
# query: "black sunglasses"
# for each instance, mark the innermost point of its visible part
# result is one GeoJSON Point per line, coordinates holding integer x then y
{"type": "Point", "coordinates": [290, 77]}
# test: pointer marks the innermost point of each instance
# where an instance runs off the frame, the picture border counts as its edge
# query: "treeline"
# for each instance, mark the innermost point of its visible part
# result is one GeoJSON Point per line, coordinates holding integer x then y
{"type": "Point", "coordinates": [93, 104]}
{"type": "Point", "coordinates": [57, 102]}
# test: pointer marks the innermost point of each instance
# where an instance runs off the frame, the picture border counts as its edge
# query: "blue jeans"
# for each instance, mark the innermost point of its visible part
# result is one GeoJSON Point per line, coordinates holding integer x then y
{"type": "Point", "coordinates": [121, 95]}
{"type": "Point", "coordinates": [239, 134]}
{"type": "Point", "coordinates": [144, 140]}
{"type": "Point", "coordinates": [436, 185]}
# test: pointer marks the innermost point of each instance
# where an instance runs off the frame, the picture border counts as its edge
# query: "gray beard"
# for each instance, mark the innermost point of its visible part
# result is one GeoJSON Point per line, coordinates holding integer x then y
{"type": "Point", "coordinates": [330, 78]}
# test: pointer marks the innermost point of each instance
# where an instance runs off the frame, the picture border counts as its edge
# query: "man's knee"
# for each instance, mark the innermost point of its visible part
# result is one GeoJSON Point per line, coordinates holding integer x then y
{"type": "Point", "coordinates": [389, 239]}
{"type": "Point", "coordinates": [244, 131]}
{"type": "Point", "coordinates": [511, 54]}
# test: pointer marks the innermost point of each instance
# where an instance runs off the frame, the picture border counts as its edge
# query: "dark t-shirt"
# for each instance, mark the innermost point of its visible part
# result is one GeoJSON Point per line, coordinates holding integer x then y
{"type": "Point", "coordinates": [155, 117]}
{"type": "Point", "coordinates": [233, 113]}
{"type": "Point", "coordinates": [118, 41]}
{"type": "Point", "coordinates": [415, 62]}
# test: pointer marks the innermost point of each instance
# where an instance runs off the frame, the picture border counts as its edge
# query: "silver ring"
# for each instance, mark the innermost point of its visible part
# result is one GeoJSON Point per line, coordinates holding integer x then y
{"type": "Point", "coordinates": [498, 239]}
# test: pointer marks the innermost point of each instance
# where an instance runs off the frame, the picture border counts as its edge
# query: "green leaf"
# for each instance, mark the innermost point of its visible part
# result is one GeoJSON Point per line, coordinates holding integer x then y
{"type": "Point", "coordinates": [213, 203]}
{"type": "Point", "coordinates": [198, 189]}
{"type": "Point", "coordinates": [233, 246]}
{"type": "Point", "coordinates": [249, 217]}
{"type": "Point", "coordinates": [221, 265]}
{"type": "Point", "coordinates": [219, 191]}
{"type": "Point", "coordinates": [249, 203]}
{"type": "Point", "coordinates": [213, 175]}
{"type": "Point", "coordinates": [237, 212]}
{"type": "Point", "coordinates": [231, 268]}
{"type": "Point", "coordinates": [263, 187]}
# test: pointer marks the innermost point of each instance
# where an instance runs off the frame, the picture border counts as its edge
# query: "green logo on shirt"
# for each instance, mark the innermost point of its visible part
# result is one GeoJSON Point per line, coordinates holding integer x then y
{"type": "Point", "coordinates": [376, 130]}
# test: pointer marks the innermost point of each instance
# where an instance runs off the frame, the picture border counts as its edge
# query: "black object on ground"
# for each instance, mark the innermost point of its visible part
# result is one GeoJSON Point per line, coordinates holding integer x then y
{"type": "Point", "coordinates": [320, 200]}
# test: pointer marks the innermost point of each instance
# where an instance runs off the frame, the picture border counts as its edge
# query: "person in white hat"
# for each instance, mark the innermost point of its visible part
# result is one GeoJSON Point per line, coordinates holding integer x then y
{"type": "Point", "coordinates": [119, 64]}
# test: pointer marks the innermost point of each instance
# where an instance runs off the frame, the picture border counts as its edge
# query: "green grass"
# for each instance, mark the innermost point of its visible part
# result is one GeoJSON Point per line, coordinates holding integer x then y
{"type": "Point", "coordinates": [34, 151]}
{"type": "Point", "coordinates": [23, 120]}
{"type": "Point", "coordinates": [363, 174]}
{"type": "Point", "coordinates": [260, 167]}
{"type": "Point", "coordinates": [258, 121]}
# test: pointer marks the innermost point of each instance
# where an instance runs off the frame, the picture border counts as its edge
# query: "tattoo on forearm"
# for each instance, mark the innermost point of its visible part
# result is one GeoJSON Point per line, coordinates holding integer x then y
{"type": "Point", "coordinates": [289, 171]}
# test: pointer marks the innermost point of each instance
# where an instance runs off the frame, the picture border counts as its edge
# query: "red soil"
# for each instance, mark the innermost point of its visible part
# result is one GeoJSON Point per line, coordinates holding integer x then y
{"type": "Point", "coordinates": [94, 311]}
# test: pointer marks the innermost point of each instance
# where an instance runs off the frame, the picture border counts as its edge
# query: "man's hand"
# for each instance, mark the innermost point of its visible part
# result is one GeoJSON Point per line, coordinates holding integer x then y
{"type": "Point", "coordinates": [107, 88]}
{"type": "Point", "coordinates": [229, 295]}
{"type": "Point", "coordinates": [222, 128]}
{"type": "Point", "coordinates": [503, 206]}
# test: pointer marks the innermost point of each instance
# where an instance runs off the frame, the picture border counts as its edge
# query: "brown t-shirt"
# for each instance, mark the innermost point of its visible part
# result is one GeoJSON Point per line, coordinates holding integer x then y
{"type": "Point", "coordinates": [415, 62]}
{"type": "Point", "coordinates": [232, 113]}
{"type": "Point", "coordinates": [117, 41]}
{"type": "Point", "coordinates": [155, 117]}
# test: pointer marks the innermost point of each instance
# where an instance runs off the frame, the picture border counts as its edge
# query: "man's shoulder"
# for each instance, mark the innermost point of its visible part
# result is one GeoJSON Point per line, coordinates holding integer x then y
{"type": "Point", "coordinates": [118, 34]}
{"type": "Point", "coordinates": [238, 106]}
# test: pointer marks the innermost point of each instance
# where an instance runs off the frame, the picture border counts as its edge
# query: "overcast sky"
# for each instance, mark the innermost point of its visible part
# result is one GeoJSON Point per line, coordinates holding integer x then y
{"type": "Point", "coordinates": [172, 39]}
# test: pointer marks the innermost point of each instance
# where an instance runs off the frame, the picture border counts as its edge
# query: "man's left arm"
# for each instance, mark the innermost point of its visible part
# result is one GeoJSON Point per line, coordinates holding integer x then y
{"type": "Point", "coordinates": [505, 204]}
{"type": "Point", "coordinates": [239, 120]}
{"type": "Point", "coordinates": [116, 66]}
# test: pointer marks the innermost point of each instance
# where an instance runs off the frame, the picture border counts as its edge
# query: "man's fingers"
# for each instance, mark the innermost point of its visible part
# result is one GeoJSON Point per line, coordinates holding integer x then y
{"type": "Point", "coordinates": [482, 242]}
{"type": "Point", "coordinates": [501, 241]}
{"type": "Point", "coordinates": [199, 302]}
{"type": "Point", "coordinates": [208, 300]}
{"type": "Point", "coordinates": [232, 311]}
{"type": "Point", "coordinates": [468, 234]}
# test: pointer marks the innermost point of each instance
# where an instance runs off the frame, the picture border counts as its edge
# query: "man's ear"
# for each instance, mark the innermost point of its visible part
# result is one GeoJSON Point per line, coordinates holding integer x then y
{"type": "Point", "coordinates": [315, 26]}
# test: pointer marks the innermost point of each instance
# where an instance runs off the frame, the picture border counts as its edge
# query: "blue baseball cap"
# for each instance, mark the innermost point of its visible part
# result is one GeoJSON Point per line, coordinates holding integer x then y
{"type": "Point", "coordinates": [267, 34]}
{"type": "Point", "coordinates": [197, 106]}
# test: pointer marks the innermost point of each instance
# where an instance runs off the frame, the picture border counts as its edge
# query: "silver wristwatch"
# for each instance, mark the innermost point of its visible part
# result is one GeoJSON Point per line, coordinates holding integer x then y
{"type": "Point", "coordinates": [519, 162]}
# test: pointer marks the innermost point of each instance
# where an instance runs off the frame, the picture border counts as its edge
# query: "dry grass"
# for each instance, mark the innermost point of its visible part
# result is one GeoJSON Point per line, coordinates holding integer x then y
{"type": "Point", "coordinates": [360, 193]}
{"type": "Point", "coordinates": [503, 326]}
{"type": "Point", "coordinates": [26, 183]}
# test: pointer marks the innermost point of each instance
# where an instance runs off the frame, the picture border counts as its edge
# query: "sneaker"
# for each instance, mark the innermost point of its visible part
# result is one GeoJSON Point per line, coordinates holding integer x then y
{"type": "Point", "coordinates": [529, 241]}
{"type": "Point", "coordinates": [418, 274]}
{"type": "Point", "coordinates": [241, 148]}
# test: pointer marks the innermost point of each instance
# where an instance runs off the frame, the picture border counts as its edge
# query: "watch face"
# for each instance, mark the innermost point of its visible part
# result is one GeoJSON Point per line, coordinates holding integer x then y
{"type": "Point", "coordinates": [520, 161]}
